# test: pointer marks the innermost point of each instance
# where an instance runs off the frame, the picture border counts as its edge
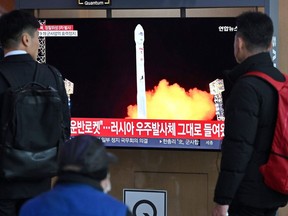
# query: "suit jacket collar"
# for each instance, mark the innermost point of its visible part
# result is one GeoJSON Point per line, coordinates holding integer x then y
{"type": "Point", "coordinates": [18, 58]}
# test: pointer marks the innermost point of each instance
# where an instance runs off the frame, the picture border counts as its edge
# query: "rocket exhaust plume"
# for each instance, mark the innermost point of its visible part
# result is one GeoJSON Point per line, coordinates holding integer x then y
{"type": "Point", "coordinates": [174, 102]}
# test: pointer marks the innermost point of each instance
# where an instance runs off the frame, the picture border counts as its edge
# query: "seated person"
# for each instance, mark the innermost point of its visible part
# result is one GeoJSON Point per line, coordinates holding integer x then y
{"type": "Point", "coordinates": [82, 184]}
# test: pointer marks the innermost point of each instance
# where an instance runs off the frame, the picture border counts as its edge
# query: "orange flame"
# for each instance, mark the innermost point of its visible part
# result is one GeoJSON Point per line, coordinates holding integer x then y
{"type": "Point", "coordinates": [173, 102]}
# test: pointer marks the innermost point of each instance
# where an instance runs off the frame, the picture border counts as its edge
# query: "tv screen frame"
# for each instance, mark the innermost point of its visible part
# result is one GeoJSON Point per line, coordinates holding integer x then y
{"type": "Point", "coordinates": [191, 52]}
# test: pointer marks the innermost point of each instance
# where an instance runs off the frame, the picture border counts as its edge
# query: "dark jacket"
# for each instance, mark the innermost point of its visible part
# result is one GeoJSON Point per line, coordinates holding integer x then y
{"type": "Point", "coordinates": [23, 67]}
{"type": "Point", "coordinates": [75, 194]}
{"type": "Point", "coordinates": [250, 116]}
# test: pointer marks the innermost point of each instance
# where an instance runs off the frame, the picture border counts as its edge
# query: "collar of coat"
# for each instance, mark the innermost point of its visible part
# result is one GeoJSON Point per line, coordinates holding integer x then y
{"type": "Point", "coordinates": [73, 177]}
{"type": "Point", "coordinates": [260, 61]}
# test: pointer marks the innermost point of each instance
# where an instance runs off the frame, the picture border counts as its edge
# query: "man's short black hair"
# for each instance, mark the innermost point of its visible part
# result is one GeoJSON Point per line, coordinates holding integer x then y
{"type": "Point", "coordinates": [13, 24]}
{"type": "Point", "coordinates": [256, 28]}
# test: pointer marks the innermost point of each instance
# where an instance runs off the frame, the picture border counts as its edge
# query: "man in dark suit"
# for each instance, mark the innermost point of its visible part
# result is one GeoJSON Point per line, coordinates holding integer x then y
{"type": "Point", "coordinates": [19, 40]}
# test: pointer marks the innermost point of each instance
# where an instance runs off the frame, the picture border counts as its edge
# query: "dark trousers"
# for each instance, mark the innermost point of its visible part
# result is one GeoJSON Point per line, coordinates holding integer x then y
{"type": "Point", "coordinates": [240, 210]}
{"type": "Point", "coordinates": [10, 207]}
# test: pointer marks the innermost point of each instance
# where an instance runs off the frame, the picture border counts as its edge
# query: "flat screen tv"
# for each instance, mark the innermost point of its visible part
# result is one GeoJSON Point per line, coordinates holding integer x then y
{"type": "Point", "coordinates": [181, 57]}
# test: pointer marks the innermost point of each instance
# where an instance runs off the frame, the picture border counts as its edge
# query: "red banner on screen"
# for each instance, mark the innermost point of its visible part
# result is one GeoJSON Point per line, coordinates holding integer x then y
{"type": "Point", "coordinates": [107, 127]}
{"type": "Point", "coordinates": [56, 27]}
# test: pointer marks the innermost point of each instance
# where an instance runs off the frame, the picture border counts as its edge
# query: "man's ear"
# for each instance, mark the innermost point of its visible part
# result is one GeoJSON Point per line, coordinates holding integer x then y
{"type": "Point", "coordinates": [26, 39]}
{"type": "Point", "coordinates": [241, 43]}
{"type": "Point", "coordinates": [239, 48]}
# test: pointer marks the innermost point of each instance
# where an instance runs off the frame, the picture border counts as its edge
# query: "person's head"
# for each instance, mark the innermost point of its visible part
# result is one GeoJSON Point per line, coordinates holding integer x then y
{"type": "Point", "coordinates": [19, 31]}
{"type": "Point", "coordinates": [87, 155]}
{"type": "Point", "coordinates": [254, 34]}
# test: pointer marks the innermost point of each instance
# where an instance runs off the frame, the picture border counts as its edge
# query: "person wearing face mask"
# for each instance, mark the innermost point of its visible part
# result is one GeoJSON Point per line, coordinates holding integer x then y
{"type": "Point", "coordinates": [82, 185]}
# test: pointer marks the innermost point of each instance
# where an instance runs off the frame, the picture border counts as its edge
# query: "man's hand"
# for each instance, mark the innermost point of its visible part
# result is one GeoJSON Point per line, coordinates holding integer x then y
{"type": "Point", "coordinates": [220, 210]}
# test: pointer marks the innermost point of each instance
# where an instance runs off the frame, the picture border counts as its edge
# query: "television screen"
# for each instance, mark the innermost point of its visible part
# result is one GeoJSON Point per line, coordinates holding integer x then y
{"type": "Point", "coordinates": [180, 57]}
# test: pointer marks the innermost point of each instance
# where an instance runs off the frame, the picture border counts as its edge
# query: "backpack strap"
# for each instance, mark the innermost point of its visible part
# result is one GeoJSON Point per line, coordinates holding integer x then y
{"type": "Point", "coordinates": [36, 73]}
{"type": "Point", "coordinates": [61, 90]}
{"type": "Point", "coordinates": [58, 78]}
{"type": "Point", "coordinates": [277, 84]}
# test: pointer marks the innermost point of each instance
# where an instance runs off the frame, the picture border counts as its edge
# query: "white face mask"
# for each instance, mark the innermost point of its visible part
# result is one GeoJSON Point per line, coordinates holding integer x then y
{"type": "Point", "coordinates": [107, 187]}
{"type": "Point", "coordinates": [106, 184]}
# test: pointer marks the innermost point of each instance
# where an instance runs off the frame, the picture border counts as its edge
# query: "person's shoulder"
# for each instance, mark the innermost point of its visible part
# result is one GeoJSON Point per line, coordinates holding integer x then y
{"type": "Point", "coordinates": [48, 67]}
{"type": "Point", "coordinates": [30, 205]}
{"type": "Point", "coordinates": [113, 200]}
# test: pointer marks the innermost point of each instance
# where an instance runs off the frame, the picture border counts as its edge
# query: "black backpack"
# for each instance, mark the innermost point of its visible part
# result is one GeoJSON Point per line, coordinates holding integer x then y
{"type": "Point", "coordinates": [31, 129]}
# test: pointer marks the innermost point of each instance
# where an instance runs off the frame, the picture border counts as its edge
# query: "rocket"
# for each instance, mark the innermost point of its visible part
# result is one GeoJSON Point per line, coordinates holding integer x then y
{"type": "Point", "coordinates": [141, 89]}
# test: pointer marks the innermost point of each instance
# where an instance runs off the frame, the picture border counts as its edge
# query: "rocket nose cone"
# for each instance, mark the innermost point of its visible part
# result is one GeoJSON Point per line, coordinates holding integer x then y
{"type": "Point", "coordinates": [139, 28]}
{"type": "Point", "coordinates": [139, 34]}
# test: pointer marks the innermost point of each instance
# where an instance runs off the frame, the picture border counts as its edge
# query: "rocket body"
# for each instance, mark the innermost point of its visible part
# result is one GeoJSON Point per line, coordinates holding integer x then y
{"type": "Point", "coordinates": [140, 72]}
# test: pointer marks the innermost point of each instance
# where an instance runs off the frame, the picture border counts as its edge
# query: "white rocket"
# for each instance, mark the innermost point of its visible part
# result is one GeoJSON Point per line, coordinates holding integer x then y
{"type": "Point", "coordinates": [141, 89]}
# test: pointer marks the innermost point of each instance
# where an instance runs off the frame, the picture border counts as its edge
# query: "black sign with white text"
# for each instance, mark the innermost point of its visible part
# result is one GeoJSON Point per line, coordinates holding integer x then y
{"type": "Point", "coordinates": [94, 2]}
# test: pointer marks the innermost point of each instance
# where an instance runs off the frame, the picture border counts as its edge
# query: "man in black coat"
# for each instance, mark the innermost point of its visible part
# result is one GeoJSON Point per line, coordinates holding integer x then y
{"type": "Point", "coordinates": [250, 116]}
{"type": "Point", "coordinates": [19, 40]}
